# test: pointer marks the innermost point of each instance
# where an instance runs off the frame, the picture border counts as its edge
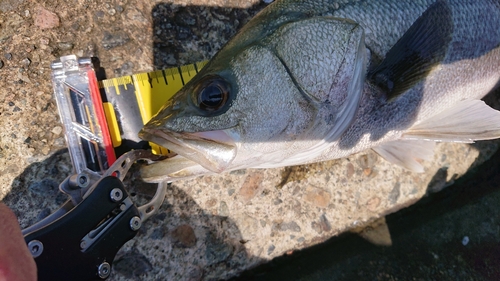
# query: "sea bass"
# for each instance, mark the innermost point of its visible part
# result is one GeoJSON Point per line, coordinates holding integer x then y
{"type": "Point", "coordinates": [314, 80]}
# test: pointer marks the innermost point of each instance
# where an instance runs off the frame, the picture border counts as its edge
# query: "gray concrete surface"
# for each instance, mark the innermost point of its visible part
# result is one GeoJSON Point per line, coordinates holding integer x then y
{"type": "Point", "coordinates": [450, 235]}
{"type": "Point", "coordinates": [208, 228]}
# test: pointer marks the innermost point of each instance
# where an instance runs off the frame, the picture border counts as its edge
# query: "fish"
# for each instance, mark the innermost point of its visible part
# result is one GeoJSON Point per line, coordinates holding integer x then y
{"type": "Point", "coordinates": [307, 81]}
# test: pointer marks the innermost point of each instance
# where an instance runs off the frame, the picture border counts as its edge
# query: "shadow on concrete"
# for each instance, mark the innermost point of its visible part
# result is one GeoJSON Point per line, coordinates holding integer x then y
{"type": "Point", "coordinates": [181, 240]}
{"type": "Point", "coordinates": [35, 192]}
{"type": "Point", "coordinates": [180, 230]}
{"type": "Point", "coordinates": [450, 235]}
{"type": "Point", "coordinates": [179, 30]}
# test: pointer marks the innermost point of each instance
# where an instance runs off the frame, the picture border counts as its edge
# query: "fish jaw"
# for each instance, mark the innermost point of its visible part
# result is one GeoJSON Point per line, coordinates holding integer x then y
{"type": "Point", "coordinates": [213, 150]}
{"type": "Point", "coordinates": [172, 169]}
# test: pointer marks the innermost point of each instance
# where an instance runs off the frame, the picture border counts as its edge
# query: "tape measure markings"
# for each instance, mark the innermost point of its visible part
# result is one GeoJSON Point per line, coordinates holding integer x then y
{"type": "Point", "coordinates": [164, 76]}
{"type": "Point", "coordinates": [115, 84]}
{"type": "Point", "coordinates": [150, 97]}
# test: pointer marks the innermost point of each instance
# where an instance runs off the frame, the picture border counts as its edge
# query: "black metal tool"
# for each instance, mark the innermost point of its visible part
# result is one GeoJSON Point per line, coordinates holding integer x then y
{"type": "Point", "coordinates": [80, 240]}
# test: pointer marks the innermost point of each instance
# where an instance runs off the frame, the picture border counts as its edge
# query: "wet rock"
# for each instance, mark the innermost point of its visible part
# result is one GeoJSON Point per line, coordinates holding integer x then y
{"type": "Point", "coordinates": [113, 40]}
{"type": "Point", "coordinates": [184, 235]}
{"type": "Point", "coordinates": [46, 19]}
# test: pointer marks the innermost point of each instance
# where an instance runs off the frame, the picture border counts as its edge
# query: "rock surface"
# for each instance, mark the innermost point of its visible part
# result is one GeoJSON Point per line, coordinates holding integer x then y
{"type": "Point", "coordinates": [208, 228]}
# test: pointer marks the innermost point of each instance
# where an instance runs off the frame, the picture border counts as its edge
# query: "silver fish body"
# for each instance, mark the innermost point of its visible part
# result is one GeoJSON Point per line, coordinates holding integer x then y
{"type": "Point", "coordinates": [308, 81]}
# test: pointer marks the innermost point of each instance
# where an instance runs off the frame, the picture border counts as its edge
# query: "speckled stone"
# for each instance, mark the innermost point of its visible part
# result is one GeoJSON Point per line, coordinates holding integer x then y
{"type": "Point", "coordinates": [209, 228]}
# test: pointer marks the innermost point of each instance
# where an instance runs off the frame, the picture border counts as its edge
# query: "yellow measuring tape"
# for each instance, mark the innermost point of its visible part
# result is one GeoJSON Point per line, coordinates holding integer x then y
{"type": "Point", "coordinates": [141, 95]}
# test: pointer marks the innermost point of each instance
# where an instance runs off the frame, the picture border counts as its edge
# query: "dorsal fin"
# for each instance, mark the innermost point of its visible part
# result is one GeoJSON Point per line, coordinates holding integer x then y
{"type": "Point", "coordinates": [422, 47]}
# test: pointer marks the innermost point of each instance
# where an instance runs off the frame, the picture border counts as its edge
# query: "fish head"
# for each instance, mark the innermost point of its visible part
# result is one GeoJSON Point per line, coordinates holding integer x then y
{"type": "Point", "coordinates": [194, 124]}
{"type": "Point", "coordinates": [262, 105]}
{"type": "Point", "coordinates": [224, 112]}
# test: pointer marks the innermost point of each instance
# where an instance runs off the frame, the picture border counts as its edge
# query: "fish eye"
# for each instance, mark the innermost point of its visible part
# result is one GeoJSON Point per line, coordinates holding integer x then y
{"type": "Point", "coordinates": [212, 93]}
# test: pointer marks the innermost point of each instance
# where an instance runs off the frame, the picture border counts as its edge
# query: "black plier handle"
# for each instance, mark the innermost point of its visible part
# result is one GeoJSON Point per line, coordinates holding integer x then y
{"type": "Point", "coordinates": [80, 240]}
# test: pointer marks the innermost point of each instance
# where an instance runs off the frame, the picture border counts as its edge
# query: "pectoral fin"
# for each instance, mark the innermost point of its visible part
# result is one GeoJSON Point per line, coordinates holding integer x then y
{"type": "Point", "coordinates": [421, 48]}
{"type": "Point", "coordinates": [405, 153]}
{"type": "Point", "coordinates": [466, 122]}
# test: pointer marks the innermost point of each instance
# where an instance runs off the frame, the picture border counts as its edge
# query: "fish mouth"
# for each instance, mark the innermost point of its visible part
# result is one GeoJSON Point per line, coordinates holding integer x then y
{"type": "Point", "coordinates": [213, 150]}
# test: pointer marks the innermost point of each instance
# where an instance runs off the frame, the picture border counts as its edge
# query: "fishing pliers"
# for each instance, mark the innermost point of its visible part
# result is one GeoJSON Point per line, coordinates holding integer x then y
{"type": "Point", "coordinates": [79, 241]}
